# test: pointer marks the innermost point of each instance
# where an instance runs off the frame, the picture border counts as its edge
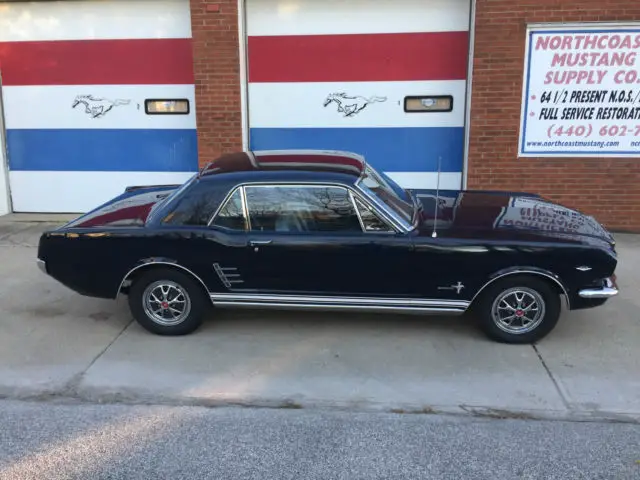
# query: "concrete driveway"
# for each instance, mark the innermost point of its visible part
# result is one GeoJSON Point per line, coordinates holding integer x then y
{"type": "Point", "coordinates": [57, 343]}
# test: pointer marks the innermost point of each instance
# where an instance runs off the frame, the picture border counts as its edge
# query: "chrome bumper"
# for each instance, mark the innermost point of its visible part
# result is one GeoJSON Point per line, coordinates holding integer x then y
{"type": "Point", "coordinates": [608, 290]}
{"type": "Point", "coordinates": [42, 265]}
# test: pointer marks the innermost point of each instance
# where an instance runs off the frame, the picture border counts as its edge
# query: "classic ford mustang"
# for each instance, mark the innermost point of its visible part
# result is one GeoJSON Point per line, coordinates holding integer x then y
{"type": "Point", "coordinates": [324, 230]}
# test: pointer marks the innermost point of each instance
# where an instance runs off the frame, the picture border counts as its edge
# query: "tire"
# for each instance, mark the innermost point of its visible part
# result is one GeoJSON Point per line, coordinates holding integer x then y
{"type": "Point", "coordinates": [529, 289]}
{"type": "Point", "coordinates": [183, 291]}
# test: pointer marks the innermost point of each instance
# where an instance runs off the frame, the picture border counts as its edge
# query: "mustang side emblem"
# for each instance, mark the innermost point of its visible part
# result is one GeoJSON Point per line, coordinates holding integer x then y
{"type": "Point", "coordinates": [351, 105]}
{"type": "Point", "coordinates": [458, 287]}
{"type": "Point", "coordinates": [97, 107]}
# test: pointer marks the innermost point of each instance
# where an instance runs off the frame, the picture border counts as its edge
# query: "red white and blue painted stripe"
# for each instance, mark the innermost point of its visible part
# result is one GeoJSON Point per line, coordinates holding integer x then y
{"type": "Point", "coordinates": [302, 52]}
{"type": "Point", "coordinates": [75, 76]}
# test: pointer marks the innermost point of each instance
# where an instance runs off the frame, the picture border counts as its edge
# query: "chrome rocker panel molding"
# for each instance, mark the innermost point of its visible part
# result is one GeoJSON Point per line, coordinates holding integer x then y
{"type": "Point", "coordinates": [340, 303]}
{"type": "Point", "coordinates": [607, 291]}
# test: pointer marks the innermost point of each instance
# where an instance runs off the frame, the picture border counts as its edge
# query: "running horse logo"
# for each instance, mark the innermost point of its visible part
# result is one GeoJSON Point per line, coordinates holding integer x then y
{"type": "Point", "coordinates": [97, 107]}
{"type": "Point", "coordinates": [351, 105]}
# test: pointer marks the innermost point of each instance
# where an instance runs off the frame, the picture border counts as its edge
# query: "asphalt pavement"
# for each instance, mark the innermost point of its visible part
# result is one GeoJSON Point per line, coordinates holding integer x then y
{"type": "Point", "coordinates": [56, 343]}
{"type": "Point", "coordinates": [43, 440]}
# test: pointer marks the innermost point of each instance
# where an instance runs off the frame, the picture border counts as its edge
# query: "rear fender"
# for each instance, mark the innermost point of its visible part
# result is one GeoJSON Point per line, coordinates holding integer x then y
{"type": "Point", "coordinates": [159, 262]}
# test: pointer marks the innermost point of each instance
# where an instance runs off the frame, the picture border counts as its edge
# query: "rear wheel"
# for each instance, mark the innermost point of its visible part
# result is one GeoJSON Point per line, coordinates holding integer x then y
{"type": "Point", "coordinates": [520, 309]}
{"type": "Point", "coordinates": [168, 302]}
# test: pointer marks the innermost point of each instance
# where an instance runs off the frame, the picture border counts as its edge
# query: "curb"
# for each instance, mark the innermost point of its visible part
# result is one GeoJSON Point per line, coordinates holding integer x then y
{"type": "Point", "coordinates": [90, 395]}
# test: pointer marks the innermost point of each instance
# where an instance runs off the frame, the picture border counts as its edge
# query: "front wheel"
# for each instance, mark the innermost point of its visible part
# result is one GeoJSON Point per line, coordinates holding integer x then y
{"type": "Point", "coordinates": [168, 302]}
{"type": "Point", "coordinates": [518, 310]}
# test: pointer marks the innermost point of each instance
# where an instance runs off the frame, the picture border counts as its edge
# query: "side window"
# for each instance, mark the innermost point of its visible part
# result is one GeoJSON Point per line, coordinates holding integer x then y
{"type": "Point", "coordinates": [370, 221]}
{"type": "Point", "coordinates": [301, 209]}
{"type": "Point", "coordinates": [196, 207]}
{"type": "Point", "coordinates": [231, 215]}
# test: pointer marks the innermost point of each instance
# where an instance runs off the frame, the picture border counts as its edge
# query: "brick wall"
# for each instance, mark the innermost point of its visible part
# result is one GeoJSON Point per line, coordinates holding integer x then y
{"type": "Point", "coordinates": [217, 77]}
{"type": "Point", "coordinates": [607, 188]}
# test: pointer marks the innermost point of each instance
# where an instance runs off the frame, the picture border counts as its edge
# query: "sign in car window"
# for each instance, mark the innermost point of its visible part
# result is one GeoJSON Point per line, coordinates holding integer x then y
{"type": "Point", "coordinates": [581, 92]}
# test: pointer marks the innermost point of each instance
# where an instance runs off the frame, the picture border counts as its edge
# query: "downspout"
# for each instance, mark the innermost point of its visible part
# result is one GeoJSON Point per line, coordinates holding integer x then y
{"type": "Point", "coordinates": [467, 119]}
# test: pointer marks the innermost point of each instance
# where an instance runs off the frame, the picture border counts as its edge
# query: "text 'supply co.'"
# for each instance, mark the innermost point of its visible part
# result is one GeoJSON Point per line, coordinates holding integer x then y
{"type": "Point", "coordinates": [604, 55]}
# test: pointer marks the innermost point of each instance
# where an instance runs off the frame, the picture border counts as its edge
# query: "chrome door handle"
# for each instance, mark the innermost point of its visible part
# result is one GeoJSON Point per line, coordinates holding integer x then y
{"type": "Point", "coordinates": [255, 243]}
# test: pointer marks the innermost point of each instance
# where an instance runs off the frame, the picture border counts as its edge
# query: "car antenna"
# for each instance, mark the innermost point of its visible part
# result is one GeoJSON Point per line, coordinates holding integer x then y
{"type": "Point", "coordinates": [434, 234]}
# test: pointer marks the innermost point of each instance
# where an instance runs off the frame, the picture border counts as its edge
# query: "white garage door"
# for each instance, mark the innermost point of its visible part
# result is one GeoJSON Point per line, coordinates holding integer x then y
{"type": "Point", "coordinates": [76, 80]}
{"type": "Point", "coordinates": [382, 78]}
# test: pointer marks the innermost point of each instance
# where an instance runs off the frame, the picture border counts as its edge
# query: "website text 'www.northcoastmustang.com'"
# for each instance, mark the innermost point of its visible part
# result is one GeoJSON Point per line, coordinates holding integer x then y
{"type": "Point", "coordinates": [578, 143]}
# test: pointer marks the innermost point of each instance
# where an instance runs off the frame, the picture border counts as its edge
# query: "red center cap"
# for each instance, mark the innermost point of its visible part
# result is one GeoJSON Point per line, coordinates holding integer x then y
{"type": "Point", "coordinates": [519, 313]}
{"type": "Point", "coordinates": [165, 305]}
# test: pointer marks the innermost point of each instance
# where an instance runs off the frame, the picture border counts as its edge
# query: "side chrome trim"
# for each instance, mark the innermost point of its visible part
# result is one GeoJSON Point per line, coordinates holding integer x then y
{"type": "Point", "coordinates": [345, 303]}
{"type": "Point", "coordinates": [223, 204]}
{"type": "Point", "coordinates": [328, 307]}
{"type": "Point", "coordinates": [358, 213]}
{"type": "Point", "coordinates": [354, 202]}
{"type": "Point", "coordinates": [228, 275]}
{"type": "Point", "coordinates": [383, 211]}
{"type": "Point", "coordinates": [607, 291]}
{"type": "Point", "coordinates": [245, 209]}
{"type": "Point", "coordinates": [531, 272]}
{"type": "Point", "coordinates": [171, 264]}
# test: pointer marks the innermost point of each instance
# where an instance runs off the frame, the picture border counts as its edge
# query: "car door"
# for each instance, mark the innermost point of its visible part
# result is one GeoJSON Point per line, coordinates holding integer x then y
{"type": "Point", "coordinates": [311, 240]}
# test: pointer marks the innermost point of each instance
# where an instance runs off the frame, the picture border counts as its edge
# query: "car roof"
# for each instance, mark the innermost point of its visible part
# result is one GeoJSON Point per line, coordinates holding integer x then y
{"type": "Point", "coordinates": [336, 162]}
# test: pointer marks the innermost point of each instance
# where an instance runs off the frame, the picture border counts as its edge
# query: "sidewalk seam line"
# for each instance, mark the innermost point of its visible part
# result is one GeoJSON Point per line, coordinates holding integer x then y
{"type": "Point", "coordinates": [75, 384]}
{"type": "Point", "coordinates": [553, 379]}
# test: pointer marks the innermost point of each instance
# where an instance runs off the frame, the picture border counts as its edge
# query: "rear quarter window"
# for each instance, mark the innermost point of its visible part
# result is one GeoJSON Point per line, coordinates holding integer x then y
{"type": "Point", "coordinates": [197, 205]}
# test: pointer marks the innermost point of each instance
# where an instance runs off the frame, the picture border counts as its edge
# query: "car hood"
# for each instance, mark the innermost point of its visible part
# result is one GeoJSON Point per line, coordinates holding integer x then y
{"type": "Point", "coordinates": [505, 214]}
{"type": "Point", "coordinates": [130, 209]}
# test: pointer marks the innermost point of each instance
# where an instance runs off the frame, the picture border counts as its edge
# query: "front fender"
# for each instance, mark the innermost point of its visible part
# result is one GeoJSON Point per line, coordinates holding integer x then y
{"type": "Point", "coordinates": [526, 270]}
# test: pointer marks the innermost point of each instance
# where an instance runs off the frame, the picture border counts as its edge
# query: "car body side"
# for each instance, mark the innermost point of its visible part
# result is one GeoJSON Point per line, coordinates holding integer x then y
{"type": "Point", "coordinates": [454, 265]}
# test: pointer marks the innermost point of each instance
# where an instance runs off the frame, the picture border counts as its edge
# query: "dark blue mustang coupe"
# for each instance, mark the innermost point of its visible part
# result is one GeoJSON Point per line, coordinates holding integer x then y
{"type": "Point", "coordinates": [324, 230]}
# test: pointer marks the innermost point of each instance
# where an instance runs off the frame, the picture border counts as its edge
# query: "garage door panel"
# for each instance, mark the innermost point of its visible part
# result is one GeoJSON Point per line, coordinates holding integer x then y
{"type": "Point", "coordinates": [101, 150]}
{"type": "Point", "coordinates": [96, 106]}
{"type": "Point", "coordinates": [86, 20]}
{"type": "Point", "coordinates": [97, 62]}
{"type": "Point", "coordinates": [352, 105]}
{"type": "Point", "coordinates": [314, 17]}
{"type": "Point", "coordinates": [78, 192]}
{"type": "Point", "coordinates": [389, 149]}
{"type": "Point", "coordinates": [335, 76]}
{"type": "Point", "coordinates": [358, 57]}
{"type": "Point", "coordinates": [76, 77]}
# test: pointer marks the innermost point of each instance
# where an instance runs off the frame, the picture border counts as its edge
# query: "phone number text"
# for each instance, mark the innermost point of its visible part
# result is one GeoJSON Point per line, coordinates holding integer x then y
{"type": "Point", "coordinates": [586, 131]}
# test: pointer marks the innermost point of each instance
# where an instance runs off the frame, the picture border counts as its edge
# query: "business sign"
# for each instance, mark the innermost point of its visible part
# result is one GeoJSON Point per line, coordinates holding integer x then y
{"type": "Point", "coordinates": [581, 92]}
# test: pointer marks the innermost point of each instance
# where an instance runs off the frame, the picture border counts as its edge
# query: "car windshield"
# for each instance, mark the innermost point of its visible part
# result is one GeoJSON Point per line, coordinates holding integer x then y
{"type": "Point", "coordinates": [388, 192]}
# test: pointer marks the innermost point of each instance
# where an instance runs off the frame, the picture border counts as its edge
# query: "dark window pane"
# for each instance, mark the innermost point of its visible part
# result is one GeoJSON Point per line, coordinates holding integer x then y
{"type": "Point", "coordinates": [301, 209]}
{"type": "Point", "coordinates": [196, 206]}
{"type": "Point", "coordinates": [370, 220]}
{"type": "Point", "coordinates": [231, 216]}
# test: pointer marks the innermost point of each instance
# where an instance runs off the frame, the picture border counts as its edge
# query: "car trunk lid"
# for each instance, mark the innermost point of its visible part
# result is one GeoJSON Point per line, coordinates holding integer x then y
{"type": "Point", "coordinates": [130, 209]}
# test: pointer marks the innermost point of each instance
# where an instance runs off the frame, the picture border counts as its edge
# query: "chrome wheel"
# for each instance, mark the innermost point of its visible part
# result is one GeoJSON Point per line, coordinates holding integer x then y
{"type": "Point", "coordinates": [166, 303]}
{"type": "Point", "coordinates": [518, 310]}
